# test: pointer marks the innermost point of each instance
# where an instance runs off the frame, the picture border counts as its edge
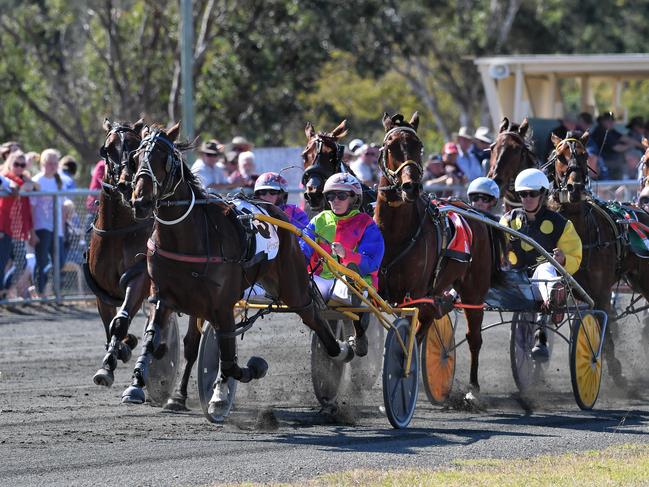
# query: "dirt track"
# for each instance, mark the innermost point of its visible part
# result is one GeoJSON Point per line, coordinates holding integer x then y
{"type": "Point", "coordinates": [58, 428]}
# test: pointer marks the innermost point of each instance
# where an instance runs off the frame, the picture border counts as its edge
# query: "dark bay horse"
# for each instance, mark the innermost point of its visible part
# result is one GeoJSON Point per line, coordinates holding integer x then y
{"type": "Point", "coordinates": [322, 157]}
{"type": "Point", "coordinates": [198, 262]}
{"type": "Point", "coordinates": [114, 271]}
{"type": "Point", "coordinates": [511, 152]}
{"type": "Point", "coordinates": [412, 266]}
{"type": "Point", "coordinates": [606, 259]}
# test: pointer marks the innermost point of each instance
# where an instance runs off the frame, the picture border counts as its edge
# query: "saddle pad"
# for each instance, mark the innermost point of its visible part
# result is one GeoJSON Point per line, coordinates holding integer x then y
{"type": "Point", "coordinates": [459, 245]}
{"type": "Point", "coordinates": [637, 235]}
{"type": "Point", "coordinates": [266, 238]}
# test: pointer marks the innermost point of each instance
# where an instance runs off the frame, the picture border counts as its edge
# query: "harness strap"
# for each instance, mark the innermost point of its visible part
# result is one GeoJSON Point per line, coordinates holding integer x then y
{"type": "Point", "coordinates": [192, 259]}
{"type": "Point", "coordinates": [121, 231]}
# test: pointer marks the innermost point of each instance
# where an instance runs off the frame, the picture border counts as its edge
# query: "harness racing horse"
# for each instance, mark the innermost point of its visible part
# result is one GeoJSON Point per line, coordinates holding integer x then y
{"type": "Point", "coordinates": [323, 157]}
{"type": "Point", "coordinates": [511, 152]}
{"type": "Point", "coordinates": [415, 265]}
{"type": "Point", "coordinates": [113, 270]}
{"type": "Point", "coordinates": [606, 258]}
{"type": "Point", "coordinates": [197, 259]}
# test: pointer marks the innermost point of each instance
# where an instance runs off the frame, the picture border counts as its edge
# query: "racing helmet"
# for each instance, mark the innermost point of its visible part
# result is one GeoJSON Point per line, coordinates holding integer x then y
{"type": "Point", "coordinates": [344, 181]}
{"type": "Point", "coordinates": [271, 180]}
{"type": "Point", "coordinates": [483, 185]}
{"type": "Point", "coordinates": [531, 180]}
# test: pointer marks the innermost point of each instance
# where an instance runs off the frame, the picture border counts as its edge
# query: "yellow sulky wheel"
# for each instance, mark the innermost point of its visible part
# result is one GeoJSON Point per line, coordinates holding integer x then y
{"type": "Point", "coordinates": [585, 364]}
{"type": "Point", "coordinates": [438, 359]}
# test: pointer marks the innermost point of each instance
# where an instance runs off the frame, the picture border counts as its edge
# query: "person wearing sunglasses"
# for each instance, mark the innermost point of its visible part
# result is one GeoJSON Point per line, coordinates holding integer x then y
{"type": "Point", "coordinates": [483, 193]}
{"type": "Point", "coordinates": [350, 236]}
{"type": "Point", "coordinates": [555, 234]}
{"type": "Point", "coordinates": [272, 188]}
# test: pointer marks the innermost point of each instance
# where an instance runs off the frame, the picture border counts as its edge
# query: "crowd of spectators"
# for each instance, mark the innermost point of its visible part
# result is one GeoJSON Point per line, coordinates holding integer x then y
{"type": "Point", "coordinates": [27, 223]}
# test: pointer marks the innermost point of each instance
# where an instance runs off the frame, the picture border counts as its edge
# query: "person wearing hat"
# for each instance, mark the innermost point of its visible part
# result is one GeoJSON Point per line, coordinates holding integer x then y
{"type": "Point", "coordinates": [467, 161]}
{"type": "Point", "coordinates": [272, 188]}
{"type": "Point", "coordinates": [207, 169]}
{"type": "Point", "coordinates": [365, 167]}
{"type": "Point", "coordinates": [454, 174]}
{"type": "Point", "coordinates": [7, 148]}
{"type": "Point", "coordinates": [555, 234]}
{"type": "Point", "coordinates": [482, 140]}
{"type": "Point", "coordinates": [349, 235]}
{"type": "Point", "coordinates": [483, 193]}
{"type": "Point", "coordinates": [354, 145]}
{"type": "Point", "coordinates": [68, 168]}
{"type": "Point", "coordinates": [238, 145]}
{"type": "Point", "coordinates": [611, 145]}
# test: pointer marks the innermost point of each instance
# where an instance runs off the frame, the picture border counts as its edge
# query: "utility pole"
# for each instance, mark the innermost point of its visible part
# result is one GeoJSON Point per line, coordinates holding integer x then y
{"type": "Point", "coordinates": [186, 70]}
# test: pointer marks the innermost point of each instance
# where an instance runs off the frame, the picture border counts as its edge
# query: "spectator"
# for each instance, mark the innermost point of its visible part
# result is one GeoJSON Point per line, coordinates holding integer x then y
{"type": "Point", "coordinates": [636, 128]}
{"type": "Point", "coordinates": [584, 122]}
{"type": "Point", "coordinates": [16, 228]}
{"type": "Point", "coordinates": [611, 145]}
{"type": "Point", "coordinates": [207, 168]}
{"type": "Point", "coordinates": [451, 176]}
{"type": "Point", "coordinates": [238, 145]}
{"type": "Point", "coordinates": [43, 217]}
{"type": "Point", "coordinates": [467, 162]}
{"type": "Point", "coordinates": [365, 165]}
{"type": "Point", "coordinates": [482, 140]}
{"type": "Point", "coordinates": [97, 177]}
{"type": "Point", "coordinates": [434, 172]}
{"type": "Point", "coordinates": [73, 242]}
{"type": "Point", "coordinates": [68, 168]}
{"type": "Point", "coordinates": [245, 176]}
{"type": "Point", "coordinates": [568, 123]}
{"type": "Point", "coordinates": [7, 148]}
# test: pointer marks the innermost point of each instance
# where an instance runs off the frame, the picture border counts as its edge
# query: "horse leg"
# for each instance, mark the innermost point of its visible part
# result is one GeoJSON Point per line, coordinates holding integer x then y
{"type": "Point", "coordinates": [119, 341]}
{"type": "Point", "coordinates": [104, 376]}
{"type": "Point", "coordinates": [474, 338]}
{"type": "Point", "coordinates": [177, 401]}
{"type": "Point", "coordinates": [134, 394]}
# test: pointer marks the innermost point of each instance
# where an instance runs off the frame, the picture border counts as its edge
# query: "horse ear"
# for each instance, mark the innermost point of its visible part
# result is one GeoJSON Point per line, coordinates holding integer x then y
{"type": "Point", "coordinates": [522, 129]}
{"type": "Point", "coordinates": [555, 139]}
{"type": "Point", "coordinates": [645, 143]}
{"type": "Point", "coordinates": [340, 131]}
{"type": "Point", "coordinates": [173, 132]}
{"type": "Point", "coordinates": [504, 125]}
{"type": "Point", "coordinates": [584, 138]}
{"type": "Point", "coordinates": [309, 130]}
{"type": "Point", "coordinates": [414, 120]}
{"type": "Point", "coordinates": [107, 125]}
{"type": "Point", "coordinates": [387, 122]}
{"type": "Point", "coordinates": [137, 126]}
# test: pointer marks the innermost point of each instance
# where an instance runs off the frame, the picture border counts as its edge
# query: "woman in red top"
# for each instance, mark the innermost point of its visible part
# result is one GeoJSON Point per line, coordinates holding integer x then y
{"type": "Point", "coordinates": [16, 228]}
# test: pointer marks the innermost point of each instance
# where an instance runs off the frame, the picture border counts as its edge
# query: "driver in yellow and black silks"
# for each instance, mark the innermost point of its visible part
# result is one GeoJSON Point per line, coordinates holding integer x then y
{"type": "Point", "coordinates": [555, 234]}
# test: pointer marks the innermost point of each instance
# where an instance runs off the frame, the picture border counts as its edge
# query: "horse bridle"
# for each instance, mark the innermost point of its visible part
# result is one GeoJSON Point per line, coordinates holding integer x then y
{"type": "Point", "coordinates": [393, 175]}
{"type": "Point", "coordinates": [174, 165]}
{"type": "Point", "coordinates": [573, 163]}
{"type": "Point", "coordinates": [114, 168]}
{"type": "Point", "coordinates": [317, 167]}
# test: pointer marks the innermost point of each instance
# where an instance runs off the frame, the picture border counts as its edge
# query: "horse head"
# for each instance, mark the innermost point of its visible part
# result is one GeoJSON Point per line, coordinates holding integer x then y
{"type": "Point", "coordinates": [400, 159]}
{"type": "Point", "coordinates": [568, 168]}
{"type": "Point", "coordinates": [160, 169]}
{"type": "Point", "coordinates": [322, 158]}
{"type": "Point", "coordinates": [510, 153]}
{"type": "Point", "coordinates": [122, 140]}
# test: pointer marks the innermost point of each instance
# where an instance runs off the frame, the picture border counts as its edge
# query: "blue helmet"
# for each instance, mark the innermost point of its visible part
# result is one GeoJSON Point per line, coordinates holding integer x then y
{"type": "Point", "coordinates": [483, 185]}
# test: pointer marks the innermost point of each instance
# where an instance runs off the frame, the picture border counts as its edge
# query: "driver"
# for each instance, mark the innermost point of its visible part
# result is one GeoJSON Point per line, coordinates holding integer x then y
{"type": "Point", "coordinates": [272, 188]}
{"type": "Point", "coordinates": [483, 193]}
{"type": "Point", "coordinates": [350, 236]}
{"type": "Point", "coordinates": [551, 231]}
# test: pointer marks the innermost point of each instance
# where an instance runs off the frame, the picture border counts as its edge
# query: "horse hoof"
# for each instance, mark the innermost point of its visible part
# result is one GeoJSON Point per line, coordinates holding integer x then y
{"type": "Point", "coordinates": [175, 404]}
{"type": "Point", "coordinates": [130, 341]}
{"type": "Point", "coordinates": [124, 353]}
{"type": "Point", "coordinates": [346, 353]}
{"type": "Point", "coordinates": [215, 410]}
{"type": "Point", "coordinates": [258, 366]}
{"type": "Point", "coordinates": [104, 377]}
{"type": "Point", "coordinates": [133, 395]}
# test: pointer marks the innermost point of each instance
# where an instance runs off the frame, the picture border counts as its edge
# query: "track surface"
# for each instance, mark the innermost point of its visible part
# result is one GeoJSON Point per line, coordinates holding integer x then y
{"type": "Point", "coordinates": [58, 428]}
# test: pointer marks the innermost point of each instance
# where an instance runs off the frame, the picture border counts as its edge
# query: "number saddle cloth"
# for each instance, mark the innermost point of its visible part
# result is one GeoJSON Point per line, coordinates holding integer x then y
{"type": "Point", "coordinates": [260, 238]}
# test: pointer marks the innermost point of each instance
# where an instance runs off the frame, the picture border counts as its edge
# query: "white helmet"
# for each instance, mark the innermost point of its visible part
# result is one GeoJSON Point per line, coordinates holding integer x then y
{"type": "Point", "coordinates": [483, 185]}
{"type": "Point", "coordinates": [343, 181]}
{"type": "Point", "coordinates": [531, 180]}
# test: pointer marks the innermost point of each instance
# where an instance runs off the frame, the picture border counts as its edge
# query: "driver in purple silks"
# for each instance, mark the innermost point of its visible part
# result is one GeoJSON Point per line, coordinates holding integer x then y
{"type": "Point", "coordinates": [272, 188]}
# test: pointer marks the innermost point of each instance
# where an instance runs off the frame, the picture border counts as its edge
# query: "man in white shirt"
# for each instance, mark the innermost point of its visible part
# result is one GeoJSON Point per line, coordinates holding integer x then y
{"type": "Point", "coordinates": [209, 172]}
{"type": "Point", "coordinates": [366, 164]}
{"type": "Point", "coordinates": [466, 159]}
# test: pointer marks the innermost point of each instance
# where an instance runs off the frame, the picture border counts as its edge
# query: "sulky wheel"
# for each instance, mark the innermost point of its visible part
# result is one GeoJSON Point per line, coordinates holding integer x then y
{"type": "Point", "coordinates": [521, 342]}
{"type": "Point", "coordinates": [438, 359]}
{"type": "Point", "coordinates": [209, 361]}
{"type": "Point", "coordinates": [366, 370]}
{"type": "Point", "coordinates": [163, 370]}
{"type": "Point", "coordinates": [399, 391]}
{"type": "Point", "coordinates": [585, 363]}
{"type": "Point", "coordinates": [327, 374]}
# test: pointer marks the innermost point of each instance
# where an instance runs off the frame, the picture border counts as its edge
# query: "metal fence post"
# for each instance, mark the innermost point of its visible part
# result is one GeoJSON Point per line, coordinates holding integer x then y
{"type": "Point", "coordinates": [56, 265]}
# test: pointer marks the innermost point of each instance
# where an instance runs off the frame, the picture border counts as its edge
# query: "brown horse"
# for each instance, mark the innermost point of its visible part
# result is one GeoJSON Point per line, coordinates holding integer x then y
{"type": "Point", "coordinates": [511, 152]}
{"type": "Point", "coordinates": [113, 269]}
{"type": "Point", "coordinates": [606, 259]}
{"type": "Point", "coordinates": [322, 158]}
{"type": "Point", "coordinates": [413, 266]}
{"type": "Point", "coordinates": [199, 263]}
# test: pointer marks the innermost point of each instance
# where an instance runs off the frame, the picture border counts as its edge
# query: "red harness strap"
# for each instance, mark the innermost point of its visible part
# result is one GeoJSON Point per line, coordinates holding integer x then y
{"type": "Point", "coordinates": [194, 259]}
